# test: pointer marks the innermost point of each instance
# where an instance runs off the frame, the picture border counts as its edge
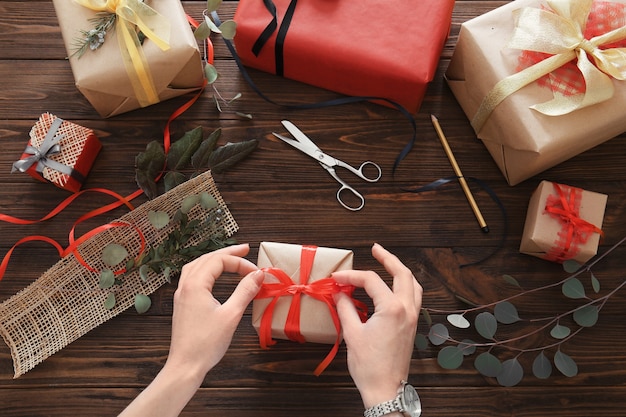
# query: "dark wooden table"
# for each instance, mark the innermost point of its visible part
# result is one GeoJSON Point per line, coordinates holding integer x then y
{"type": "Point", "coordinates": [277, 194]}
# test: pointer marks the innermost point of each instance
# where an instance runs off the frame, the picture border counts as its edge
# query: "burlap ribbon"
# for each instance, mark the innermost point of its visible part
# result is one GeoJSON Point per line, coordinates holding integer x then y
{"type": "Point", "coordinates": [132, 15]}
{"type": "Point", "coordinates": [40, 156]}
{"type": "Point", "coordinates": [560, 33]}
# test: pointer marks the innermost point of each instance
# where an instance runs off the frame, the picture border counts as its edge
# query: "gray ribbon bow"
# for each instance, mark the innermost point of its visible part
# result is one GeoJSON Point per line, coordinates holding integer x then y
{"type": "Point", "coordinates": [40, 156]}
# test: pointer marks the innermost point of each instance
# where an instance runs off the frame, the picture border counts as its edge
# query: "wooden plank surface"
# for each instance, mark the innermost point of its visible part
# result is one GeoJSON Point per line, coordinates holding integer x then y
{"type": "Point", "coordinates": [277, 194]}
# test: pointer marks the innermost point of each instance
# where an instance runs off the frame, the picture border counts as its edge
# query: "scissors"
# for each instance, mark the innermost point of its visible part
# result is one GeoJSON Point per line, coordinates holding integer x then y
{"type": "Point", "coordinates": [306, 145]}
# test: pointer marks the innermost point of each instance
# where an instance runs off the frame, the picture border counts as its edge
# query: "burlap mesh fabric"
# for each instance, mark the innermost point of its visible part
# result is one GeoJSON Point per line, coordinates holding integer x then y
{"type": "Point", "coordinates": [73, 142]}
{"type": "Point", "coordinates": [66, 302]}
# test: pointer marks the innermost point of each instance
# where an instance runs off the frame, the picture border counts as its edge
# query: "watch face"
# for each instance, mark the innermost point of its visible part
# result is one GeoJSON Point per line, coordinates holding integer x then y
{"type": "Point", "coordinates": [411, 401]}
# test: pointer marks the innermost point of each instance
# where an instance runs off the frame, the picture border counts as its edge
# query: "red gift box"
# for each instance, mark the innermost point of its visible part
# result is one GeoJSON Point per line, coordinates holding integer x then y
{"type": "Point", "coordinates": [372, 48]}
{"type": "Point", "coordinates": [59, 152]}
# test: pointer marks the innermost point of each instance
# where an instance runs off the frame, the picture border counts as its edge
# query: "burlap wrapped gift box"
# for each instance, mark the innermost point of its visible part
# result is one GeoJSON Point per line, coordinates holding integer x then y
{"type": "Point", "coordinates": [101, 74]}
{"type": "Point", "coordinates": [359, 48]}
{"type": "Point", "coordinates": [563, 223]}
{"type": "Point", "coordinates": [523, 142]}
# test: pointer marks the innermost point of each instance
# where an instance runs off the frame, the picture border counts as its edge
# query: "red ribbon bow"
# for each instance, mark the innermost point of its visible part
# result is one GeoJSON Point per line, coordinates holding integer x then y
{"type": "Point", "coordinates": [321, 290]}
{"type": "Point", "coordinates": [575, 231]}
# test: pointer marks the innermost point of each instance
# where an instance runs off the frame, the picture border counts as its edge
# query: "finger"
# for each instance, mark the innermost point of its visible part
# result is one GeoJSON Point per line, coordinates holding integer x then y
{"type": "Point", "coordinates": [403, 279]}
{"type": "Point", "coordinates": [373, 285]}
{"type": "Point", "coordinates": [207, 268]}
{"type": "Point", "coordinates": [245, 292]}
{"type": "Point", "coordinates": [348, 316]}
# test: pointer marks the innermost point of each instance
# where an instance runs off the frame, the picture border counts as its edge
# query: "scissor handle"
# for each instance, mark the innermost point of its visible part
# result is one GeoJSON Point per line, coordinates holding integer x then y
{"type": "Point", "coordinates": [360, 172]}
{"type": "Point", "coordinates": [345, 188]}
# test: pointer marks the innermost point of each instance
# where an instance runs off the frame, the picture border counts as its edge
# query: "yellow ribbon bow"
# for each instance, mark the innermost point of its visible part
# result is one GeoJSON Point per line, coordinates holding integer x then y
{"type": "Point", "coordinates": [559, 32]}
{"type": "Point", "coordinates": [133, 14]}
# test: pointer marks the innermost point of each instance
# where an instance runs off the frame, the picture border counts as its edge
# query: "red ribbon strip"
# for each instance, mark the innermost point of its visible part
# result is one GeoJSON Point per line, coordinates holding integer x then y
{"type": "Point", "coordinates": [73, 242]}
{"type": "Point", "coordinates": [575, 231]}
{"type": "Point", "coordinates": [322, 290]}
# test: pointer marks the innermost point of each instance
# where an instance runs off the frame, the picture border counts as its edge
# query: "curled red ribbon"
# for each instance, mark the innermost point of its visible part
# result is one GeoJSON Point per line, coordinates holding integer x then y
{"type": "Point", "coordinates": [575, 231]}
{"type": "Point", "coordinates": [322, 290]}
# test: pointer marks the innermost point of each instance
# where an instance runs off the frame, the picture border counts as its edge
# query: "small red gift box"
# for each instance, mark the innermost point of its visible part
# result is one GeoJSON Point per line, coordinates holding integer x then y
{"type": "Point", "coordinates": [563, 223]}
{"type": "Point", "coordinates": [296, 299]}
{"type": "Point", "coordinates": [59, 152]}
{"type": "Point", "coordinates": [373, 48]}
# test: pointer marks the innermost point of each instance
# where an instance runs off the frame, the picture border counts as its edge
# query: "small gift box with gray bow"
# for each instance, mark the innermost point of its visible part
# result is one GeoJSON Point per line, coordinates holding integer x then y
{"type": "Point", "coordinates": [59, 152]}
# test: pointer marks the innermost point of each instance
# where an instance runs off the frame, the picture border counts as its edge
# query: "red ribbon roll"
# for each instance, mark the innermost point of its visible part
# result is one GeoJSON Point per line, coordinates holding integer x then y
{"type": "Point", "coordinates": [322, 290]}
{"type": "Point", "coordinates": [575, 231]}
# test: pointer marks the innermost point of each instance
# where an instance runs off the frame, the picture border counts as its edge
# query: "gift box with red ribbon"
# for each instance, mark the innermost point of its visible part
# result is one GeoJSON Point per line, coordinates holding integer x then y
{"type": "Point", "coordinates": [372, 48]}
{"type": "Point", "coordinates": [296, 299]}
{"type": "Point", "coordinates": [563, 223]}
{"type": "Point", "coordinates": [59, 152]}
{"type": "Point", "coordinates": [541, 81]}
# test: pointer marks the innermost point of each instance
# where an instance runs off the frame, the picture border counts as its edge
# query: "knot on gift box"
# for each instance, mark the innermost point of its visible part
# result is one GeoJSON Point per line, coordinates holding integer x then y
{"type": "Point", "coordinates": [130, 16]}
{"type": "Point", "coordinates": [322, 290]}
{"type": "Point", "coordinates": [553, 38]}
{"type": "Point", "coordinates": [564, 207]}
{"type": "Point", "coordinates": [40, 156]}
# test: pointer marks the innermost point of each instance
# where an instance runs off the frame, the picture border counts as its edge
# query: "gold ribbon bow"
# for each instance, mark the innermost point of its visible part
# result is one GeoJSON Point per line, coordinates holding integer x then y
{"type": "Point", "coordinates": [132, 15]}
{"type": "Point", "coordinates": [559, 32]}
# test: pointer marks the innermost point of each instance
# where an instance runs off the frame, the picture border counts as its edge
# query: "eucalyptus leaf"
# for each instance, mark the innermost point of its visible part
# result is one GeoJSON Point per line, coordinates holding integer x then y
{"type": "Point", "coordinates": [427, 317]}
{"type": "Point", "coordinates": [586, 316]}
{"type": "Point", "coordinates": [143, 272]}
{"type": "Point", "coordinates": [179, 155]}
{"type": "Point", "coordinates": [511, 373]}
{"type": "Point", "coordinates": [113, 254]}
{"type": "Point", "coordinates": [228, 155]}
{"type": "Point", "coordinates": [595, 284]}
{"type": "Point", "coordinates": [200, 158]}
{"type": "Point", "coordinates": [158, 219]}
{"type": "Point", "coordinates": [213, 5]}
{"type": "Point", "coordinates": [468, 347]}
{"type": "Point", "coordinates": [560, 332]}
{"type": "Point", "coordinates": [109, 303]}
{"type": "Point", "coordinates": [202, 32]}
{"type": "Point", "coordinates": [421, 342]}
{"type": "Point", "coordinates": [142, 303]}
{"type": "Point", "coordinates": [173, 179]}
{"type": "Point", "coordinates": [167, 272]}
{"type": "Point", "coordinates": [565, 364]}
{"type": "Point", "coordinates": [450, 357]}
{"type": "Point", "coordinates": [459, 321]}
{"type": "Point", "coordinates": [486, 325]}
{"type": "Point", "coordinates": [506, 313]}
{"type": "Point", "coordinates": [573, 288]}
{"type": "Point", "coordinates": [438, 334]}
{"type": "Point", "coordinates": [510, 280]}
{"type": "Point", "coordinates": [210, 72]}
{"type": "Point", "coordinates": [107, 279]}
{"type": "Point", "coordinates": [189, 202]}
{"type": "Point", "coordinates": [228, 29]}
{"type": "Point", "coordinates": [207, 201]}
{"type": "Point", "coordinates": [488, 364]}
{"type": "Point", "coordinates": [542, 367]}
{"type": "Point", "coordinates": [211, 24]}
{"type": "Point", "coordinates": [570, 266]}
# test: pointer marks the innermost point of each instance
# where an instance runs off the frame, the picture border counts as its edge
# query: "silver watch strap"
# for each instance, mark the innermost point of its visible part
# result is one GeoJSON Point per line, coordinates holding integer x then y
{"type": "Point", "coordinates": [382, 409]}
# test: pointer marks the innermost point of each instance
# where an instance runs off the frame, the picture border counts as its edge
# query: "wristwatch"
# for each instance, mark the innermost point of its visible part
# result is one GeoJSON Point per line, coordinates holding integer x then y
{"type": "Point", "coordinates": [407, 402]}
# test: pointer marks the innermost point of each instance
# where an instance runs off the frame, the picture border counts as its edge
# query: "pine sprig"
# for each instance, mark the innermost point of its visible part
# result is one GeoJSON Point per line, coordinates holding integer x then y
{"type": "Point", "coordinates": [94, 38]}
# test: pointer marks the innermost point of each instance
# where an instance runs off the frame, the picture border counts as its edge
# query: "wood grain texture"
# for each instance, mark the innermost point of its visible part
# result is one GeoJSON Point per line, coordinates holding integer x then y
{"type": "Point", "coordinates": [277, 194]}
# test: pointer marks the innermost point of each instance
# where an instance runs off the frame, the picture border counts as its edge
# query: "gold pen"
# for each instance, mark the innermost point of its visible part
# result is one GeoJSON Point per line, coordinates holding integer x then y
{"type": "Point", "coordinates": [459, 174]}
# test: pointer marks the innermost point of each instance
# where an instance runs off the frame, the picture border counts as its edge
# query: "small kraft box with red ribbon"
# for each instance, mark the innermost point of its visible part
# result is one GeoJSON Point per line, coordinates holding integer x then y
{"type": "Point", "coordinates": [563, 223]}
{"type": "Point", "coordinates": [296, 298]}
{"type": "Point", "coordinates": [129, 54]}
{"type": "Point", "coordinates": [365, 48]}
{"type": "Point", "coordinates": [542, 81]}
{"type": "Point", "coordinates": [59, 152]}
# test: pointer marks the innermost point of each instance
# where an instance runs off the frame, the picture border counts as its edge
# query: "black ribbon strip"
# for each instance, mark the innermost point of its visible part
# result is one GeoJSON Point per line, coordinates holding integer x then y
{"type": "Point", "coordinates": [505, 223]}
{"type": "Point", "coordinates": [329, 103]}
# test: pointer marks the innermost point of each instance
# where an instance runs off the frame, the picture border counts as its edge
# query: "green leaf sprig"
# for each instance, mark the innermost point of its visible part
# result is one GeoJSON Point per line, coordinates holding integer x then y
{"type": "Point", "coordinates": [168, 257]}
{"type": "Point", "coordinates": [94, 38]}
{"type": "Point", "coordinates": [192, 152]}
{"type": "Point", "coordinates": [489, 319]}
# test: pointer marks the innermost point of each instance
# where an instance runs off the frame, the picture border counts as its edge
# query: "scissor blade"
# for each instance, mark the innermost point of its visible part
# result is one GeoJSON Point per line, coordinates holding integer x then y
{"type": "Point", "coordinates": [302, 147]}
{"type": "Point", "coordinates": [299, 135]}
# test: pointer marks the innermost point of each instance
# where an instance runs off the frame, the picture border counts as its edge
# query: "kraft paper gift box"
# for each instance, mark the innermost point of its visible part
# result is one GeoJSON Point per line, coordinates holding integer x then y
{"type": "Point", "coordinates": [373, 48]}
{"type": "Point", "coordinates": [563, 223]}
{"type": "Point", "coordinates": [102, 76]}
{"type": "Point", "coordinates": [522, 141]}
{"type": "Point", "coordinates": [59, 152]}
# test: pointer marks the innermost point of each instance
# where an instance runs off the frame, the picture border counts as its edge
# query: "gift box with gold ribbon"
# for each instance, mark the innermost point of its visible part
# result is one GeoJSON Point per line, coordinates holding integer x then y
{"type": "Point", "coordinates": [127, 54]}
{"type": "Point", "coordinates": [296, 299]}
{"type": "Point", "coordinates": [59, 152]}
{"type": "Point", "coordinates": [542, 81]}
{"type": "Point", "coordinates": [563, 223]}
{"type": "Point", "coordinates": [372, 48]}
